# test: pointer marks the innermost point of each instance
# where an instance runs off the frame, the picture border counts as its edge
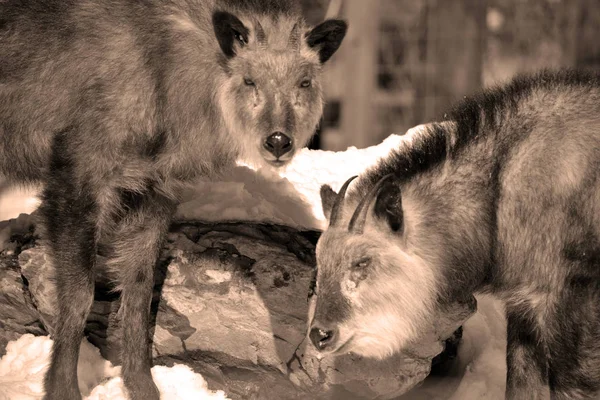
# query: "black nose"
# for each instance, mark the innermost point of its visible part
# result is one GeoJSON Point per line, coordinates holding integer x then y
{"type": "Point", "coordinates": [278, 144]}
{"type": "Point", "coordinates": [322, 337]}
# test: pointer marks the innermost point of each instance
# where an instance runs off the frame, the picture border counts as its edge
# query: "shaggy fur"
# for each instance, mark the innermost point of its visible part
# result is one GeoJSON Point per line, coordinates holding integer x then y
{"type": "Point", "coordinates": [503, 197]}
{"type": "Point", "coordinates": [114, 105]}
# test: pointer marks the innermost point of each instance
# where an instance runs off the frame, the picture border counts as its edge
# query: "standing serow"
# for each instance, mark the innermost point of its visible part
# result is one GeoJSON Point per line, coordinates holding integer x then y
{"type": "Point", "coordinates": [115, 105]}
{"type": "Point", "coordinates": [503, 197]}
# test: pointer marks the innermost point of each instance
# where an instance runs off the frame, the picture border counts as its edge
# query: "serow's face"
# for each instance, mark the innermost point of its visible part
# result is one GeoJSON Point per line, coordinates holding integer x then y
{"type": "Point", "coordinates": [272, 99]}
{"type": "Point", "coordinates": [371, 296]}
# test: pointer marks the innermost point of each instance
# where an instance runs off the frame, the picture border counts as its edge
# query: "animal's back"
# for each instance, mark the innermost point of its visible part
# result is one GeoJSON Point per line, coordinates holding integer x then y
{"type": "Point", "coordinates": [25, 42]}
{"type": "Point", "coordinates": [532, 148]}
{"type": "Point", "coordinates": [548, 220]}
{"type": "Point", "coordinates": [95, 69]}
{"type": "Point", "coordinates": [548, 146]}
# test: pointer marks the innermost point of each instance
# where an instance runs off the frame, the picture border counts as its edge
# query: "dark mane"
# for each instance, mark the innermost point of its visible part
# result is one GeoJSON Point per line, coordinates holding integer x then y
{"type": "Point", "coordinates": [478, 113]}
{"type": "Point", "coordinates": [475, 117]}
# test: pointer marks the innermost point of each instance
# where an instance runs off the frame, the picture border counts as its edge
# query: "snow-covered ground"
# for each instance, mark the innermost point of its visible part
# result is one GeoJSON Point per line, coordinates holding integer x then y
{"type": "Point", "coordinates": [289, 196]}
{"type": "Point", "coordinates": [22, 372]}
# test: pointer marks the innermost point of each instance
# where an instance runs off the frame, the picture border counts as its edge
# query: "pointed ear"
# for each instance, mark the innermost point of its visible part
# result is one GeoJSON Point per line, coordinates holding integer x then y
{"type": "Point", "coordinates": [388, 206]}
{"type": "Point", "coordinates": [230, 32]}
{"type": "Point", "coordinates": [328, 196]}
{"type": "Point", "coordinates": [327, 37]}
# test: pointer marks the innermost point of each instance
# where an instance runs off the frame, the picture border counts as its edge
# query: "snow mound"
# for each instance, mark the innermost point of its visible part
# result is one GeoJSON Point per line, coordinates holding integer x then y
{"type": "Point", "coordinates": [176, 382]}
{"type": "Point", "coordinates": [288, 196]}
{"type": "Point", "coordinates": [483, 352]}
{"type": "Point", "coordinates": [23, 367]}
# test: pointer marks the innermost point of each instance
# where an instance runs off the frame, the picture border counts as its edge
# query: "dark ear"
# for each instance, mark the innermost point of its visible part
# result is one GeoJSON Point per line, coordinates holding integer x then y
{"type": "Point", "coordinates": [327, 37]}
{"type": "Point", "coordinates": [229, 31]}
{"type": "Point", "coordinates": [388, 206]}
{"type": "Point", "coordinates": [328, 196]}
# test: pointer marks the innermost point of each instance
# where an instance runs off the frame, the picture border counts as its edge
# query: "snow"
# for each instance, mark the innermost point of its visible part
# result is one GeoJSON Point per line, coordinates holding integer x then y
{"type": "Point", "coordinates": [481, 356]}
{"type": "Point", "coordinates": [288, 196]}
{"type": "Point", "coordinates": [23, 367]}
{"type": "Point", "coordinates": [17, 200]}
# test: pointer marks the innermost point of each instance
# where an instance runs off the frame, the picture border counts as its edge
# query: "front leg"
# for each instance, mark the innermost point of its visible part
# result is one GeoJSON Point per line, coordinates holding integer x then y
{"type": "Point", "coordinates": [136, 246]}
{"type": "Point", "coordinates": [526, 358]}
{"type": "Point", "coordinates": [69, 213]}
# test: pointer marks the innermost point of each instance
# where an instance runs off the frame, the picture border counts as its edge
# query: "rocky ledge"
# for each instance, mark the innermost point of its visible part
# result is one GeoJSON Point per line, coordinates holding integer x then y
{"type": "Point", "coordinates": [231, 301]}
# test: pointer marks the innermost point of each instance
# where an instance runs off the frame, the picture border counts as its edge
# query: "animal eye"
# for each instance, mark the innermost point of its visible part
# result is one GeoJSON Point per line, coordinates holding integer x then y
{"type": "Point", "coordinates": [305, 83]}
{"type": "Point", "coordinates": [363, 263]}
{"type": "Point", "coordinates": [240, 38]}
{"type": "Point", "coordinates": [248, 82]}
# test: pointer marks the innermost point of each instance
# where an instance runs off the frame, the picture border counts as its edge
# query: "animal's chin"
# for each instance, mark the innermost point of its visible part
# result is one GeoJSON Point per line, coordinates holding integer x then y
{"type": "Point", "coordinates": [345, 348]}
{"type": "Point", "coordinates": [264, 160]}
{"type": "Point", "coordinates": [276, 162]}
{"type": "Point", "coordinates": [364, 347]}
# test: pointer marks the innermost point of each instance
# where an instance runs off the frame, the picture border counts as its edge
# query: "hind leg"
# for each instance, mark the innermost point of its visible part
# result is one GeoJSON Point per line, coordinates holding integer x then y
{"type": "Point", "coordinates": [137, 243]}
{"type": "Point", "coordinates": [69, 212]}
{"type": "Point", "coordinates": [575, 349]}
{"type": "Point", "coordinates": [526, 358]}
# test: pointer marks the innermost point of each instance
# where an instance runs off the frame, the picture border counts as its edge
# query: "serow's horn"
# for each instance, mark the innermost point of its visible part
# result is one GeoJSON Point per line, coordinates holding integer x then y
{"type": "Point", "coordinates": [337, 206]}
{"type": "Point", "coordinates": [357, 222]}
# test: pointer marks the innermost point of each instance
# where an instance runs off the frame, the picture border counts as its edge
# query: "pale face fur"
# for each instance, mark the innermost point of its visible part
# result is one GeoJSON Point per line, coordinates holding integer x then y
{"type": "Point", "coordinates": [387, 291]}
{"type": "Point", "coordinates": [272, 87]}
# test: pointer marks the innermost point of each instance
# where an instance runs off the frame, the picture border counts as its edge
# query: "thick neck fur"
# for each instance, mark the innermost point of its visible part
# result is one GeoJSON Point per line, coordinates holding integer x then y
{"type": "Point", "coordinates": [448, 211]}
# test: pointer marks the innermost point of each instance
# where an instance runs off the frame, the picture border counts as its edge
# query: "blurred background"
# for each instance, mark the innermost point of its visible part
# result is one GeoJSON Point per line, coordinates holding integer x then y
{"type": "Point", "coordinates": [404, 62]}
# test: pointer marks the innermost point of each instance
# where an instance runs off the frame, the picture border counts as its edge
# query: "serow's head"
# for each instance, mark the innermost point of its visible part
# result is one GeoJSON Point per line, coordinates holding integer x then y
{"type": "Point", "coordinates": [271, 99]}
{"type": "Point", "coordinates": [373, 296]}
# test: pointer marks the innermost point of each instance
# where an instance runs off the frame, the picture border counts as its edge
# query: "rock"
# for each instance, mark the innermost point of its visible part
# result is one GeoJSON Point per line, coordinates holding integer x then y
{"type": "Point", "coordinates": [231, 301]}
{"type": "Point", "coordinates": [18, 315]}
{"type": "Point", "coordinates": [37, 270]}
